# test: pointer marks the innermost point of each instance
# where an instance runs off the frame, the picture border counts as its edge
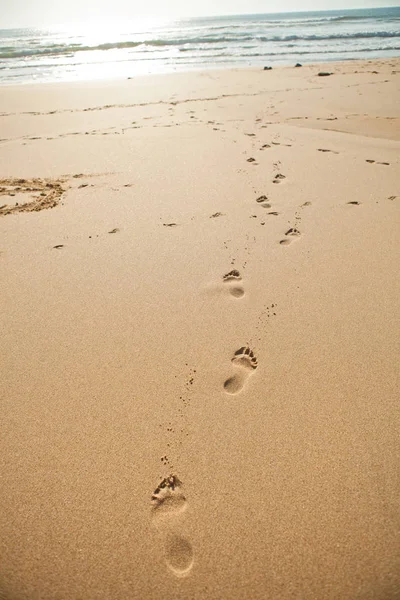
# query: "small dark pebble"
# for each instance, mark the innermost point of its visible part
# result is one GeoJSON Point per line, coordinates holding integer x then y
{"type": "Point", "coordinates": [324, 74]}
{"type": "Point", "coordinates": [298, 65]}
{"type": "Point", "coordinates": [267, 68]}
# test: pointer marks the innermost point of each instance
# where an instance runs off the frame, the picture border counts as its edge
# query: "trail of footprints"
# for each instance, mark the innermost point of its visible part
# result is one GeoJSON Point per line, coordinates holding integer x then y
{"type": "Point", "coordinates": [169, 502]}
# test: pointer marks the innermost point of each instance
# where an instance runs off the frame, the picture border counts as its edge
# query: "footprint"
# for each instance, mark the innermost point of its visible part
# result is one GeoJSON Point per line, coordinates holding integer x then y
{"type": "Point", "coordinates": [168, 498]}
{"type": "Point", "coordinates": [232, 278]}
{"type": "Point", "coordinates": [278, 178]}
{"type": "Point", "coordinates": [179, 555]}
{"type": "Point", "coordinates": [246, 363]}
{"type": "Point", "coordinates": [263, 200]}
{"type": "Point", "coordinates": [326, 150]}
{"type": "Point", "coordinates": [168, 501]}
{"type": "Point", "coordinates": [292, 232]}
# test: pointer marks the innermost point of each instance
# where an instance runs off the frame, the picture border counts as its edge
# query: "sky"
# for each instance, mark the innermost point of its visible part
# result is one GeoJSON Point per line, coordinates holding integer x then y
{"type": "Point", "coordinates": [25, 13]}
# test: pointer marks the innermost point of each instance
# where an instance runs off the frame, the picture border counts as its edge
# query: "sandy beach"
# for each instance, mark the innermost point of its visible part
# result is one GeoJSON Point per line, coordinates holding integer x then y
{"type": "Point", "coordinates": [200, 336]}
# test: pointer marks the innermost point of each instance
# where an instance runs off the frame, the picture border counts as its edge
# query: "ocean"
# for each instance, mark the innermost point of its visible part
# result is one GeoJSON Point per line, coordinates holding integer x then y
{"type": "Point", "coordinates": [57, 54]}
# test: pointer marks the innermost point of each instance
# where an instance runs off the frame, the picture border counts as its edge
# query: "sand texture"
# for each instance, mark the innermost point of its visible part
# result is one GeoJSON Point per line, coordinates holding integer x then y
{"type": "Point", "coordinates": [200, 336]}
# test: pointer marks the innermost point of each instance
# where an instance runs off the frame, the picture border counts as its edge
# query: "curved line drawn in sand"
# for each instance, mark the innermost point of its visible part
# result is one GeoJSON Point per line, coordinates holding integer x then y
{"type": "Point", "coordinates": [246, 363]}
{"type": "Point", "coordinates": [232, 278]}
{"type": "Point", "coordinates": [179, 555]}
{"type": "Point", "coordinates": [44, 193]}
{"type": "Point", "coordinates": [168, 498]}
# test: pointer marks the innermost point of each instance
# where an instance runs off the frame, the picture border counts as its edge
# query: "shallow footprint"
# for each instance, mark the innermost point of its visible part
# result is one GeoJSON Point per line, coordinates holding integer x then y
{"type": "Point", "coordinates": [168, 498]}
{"type": "Point", "coordinates": [263, 200]}
{"type": "Point", "coordinates": [292, 232]}
{"type": "Point", "coordinates": [232, 278]}
{"type": "Point", "coordinates": [278, 178]}
{"type": "Point", "coordinates": [179, 555]}
{"type": "Point", "coordinates": [245, 360]}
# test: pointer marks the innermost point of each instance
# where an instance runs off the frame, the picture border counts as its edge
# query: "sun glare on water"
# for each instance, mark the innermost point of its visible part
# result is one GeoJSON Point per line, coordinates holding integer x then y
{"type": "Point", "coordinates": [113, 49]}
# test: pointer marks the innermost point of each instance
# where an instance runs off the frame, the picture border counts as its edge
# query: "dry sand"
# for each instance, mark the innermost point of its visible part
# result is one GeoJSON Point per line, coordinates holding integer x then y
{"type": "Point", "coordinates": [200, 336]}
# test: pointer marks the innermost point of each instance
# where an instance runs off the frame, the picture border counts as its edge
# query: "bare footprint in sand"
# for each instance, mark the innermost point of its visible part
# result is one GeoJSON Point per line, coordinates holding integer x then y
{"type": "Point", "coordinates": [292, 233]}
{"type": "Point", "coordinates": [168, 502]}
{"type": "Point", "coordinates": [179, 555]}
{"type": "Point", "coordinates": [278, 178]}
{"type": "Point", "coordinates": [168, 498]}
{"type": "Point", "coordinates": [246, 363]}
{"type": "Point", "coordinates": [263, 201]}
{"type": "Point", "coordinates": [232, 279]}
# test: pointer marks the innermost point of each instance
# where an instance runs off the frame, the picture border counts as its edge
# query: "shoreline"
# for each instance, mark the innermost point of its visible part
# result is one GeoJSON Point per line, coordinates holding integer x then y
{"type": "Point", "coordinates": [211, 70]}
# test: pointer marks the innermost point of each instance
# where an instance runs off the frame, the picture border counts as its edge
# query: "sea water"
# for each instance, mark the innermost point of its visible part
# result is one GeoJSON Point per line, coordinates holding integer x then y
{"type": "Point", "coordinates": [92, 52]}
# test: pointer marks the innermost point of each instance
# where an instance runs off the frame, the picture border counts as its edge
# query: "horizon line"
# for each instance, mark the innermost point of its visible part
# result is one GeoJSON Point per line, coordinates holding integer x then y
{"type": "Point", "coordinates": [212, 16]}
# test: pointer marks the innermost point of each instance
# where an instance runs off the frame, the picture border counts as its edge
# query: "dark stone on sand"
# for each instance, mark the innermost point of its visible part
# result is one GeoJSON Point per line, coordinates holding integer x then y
{"type": "Point", "coordinates": [267, 68]}
{"type": "Point", "coordinates": [298, 65]}
{"type": "Point", "coordinates": [324, 74]}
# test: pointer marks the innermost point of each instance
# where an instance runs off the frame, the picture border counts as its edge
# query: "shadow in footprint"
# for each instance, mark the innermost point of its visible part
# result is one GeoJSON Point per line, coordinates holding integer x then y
{"type": "Point", "coordinates": [232, 279]}
{"type": "Point", "coordinates": [246, 363]}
